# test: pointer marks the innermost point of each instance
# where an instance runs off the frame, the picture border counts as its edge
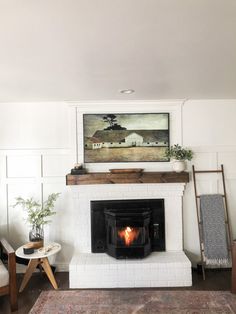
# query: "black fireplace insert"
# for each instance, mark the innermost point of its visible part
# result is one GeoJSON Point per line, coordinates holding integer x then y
{"type": "Point", "coordinates": [128, 228]}
{"type": "Point", "coordinates": [127, 232]}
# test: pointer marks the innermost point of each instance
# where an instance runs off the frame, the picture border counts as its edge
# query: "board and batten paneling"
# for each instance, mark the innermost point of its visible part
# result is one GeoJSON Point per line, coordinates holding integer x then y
{"type": "Point", "coordinates": [38, 147]}
{"type": "Point", "coordinates": [209, 129]}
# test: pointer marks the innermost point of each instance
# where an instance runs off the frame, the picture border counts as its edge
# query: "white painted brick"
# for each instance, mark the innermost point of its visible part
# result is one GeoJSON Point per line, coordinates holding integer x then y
{"type": "Point", "coordinates": [160, 269]}
{"type": "Point", "coordinates": [172, 194]}
{"type": "Point", "coordinates": [101, 271]}
{"type": "Point", "coordinates": [142, 283]}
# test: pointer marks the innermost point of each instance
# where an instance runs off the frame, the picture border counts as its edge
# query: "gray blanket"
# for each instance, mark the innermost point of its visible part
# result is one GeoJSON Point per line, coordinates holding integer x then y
{"type": "Point", "coordinates": [214, 229]}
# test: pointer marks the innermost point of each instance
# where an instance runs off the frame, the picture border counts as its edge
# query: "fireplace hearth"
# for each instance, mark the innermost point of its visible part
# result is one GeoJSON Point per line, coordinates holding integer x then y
{"type": "Point", "coordinates": [128, 228]}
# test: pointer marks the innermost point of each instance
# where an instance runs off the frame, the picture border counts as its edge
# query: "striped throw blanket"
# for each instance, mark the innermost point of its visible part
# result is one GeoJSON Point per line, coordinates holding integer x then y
{"type": "Point", "coordinates": [213, 229]}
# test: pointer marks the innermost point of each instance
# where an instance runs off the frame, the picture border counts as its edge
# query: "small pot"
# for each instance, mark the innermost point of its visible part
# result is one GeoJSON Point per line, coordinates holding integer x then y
{"type": "Point", "coordinates": [179, 165]}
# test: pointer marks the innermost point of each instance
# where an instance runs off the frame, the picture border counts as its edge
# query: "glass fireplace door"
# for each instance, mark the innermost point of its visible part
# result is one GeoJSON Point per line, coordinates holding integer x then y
{"type": "Point", "coordinates": [128, 233]}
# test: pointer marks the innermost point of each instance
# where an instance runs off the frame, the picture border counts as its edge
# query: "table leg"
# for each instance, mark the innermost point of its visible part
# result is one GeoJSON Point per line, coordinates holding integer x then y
{"type": "Point", "coordinates": [33, 263]}
{"type": "Point", "coordinates": [48, 271]}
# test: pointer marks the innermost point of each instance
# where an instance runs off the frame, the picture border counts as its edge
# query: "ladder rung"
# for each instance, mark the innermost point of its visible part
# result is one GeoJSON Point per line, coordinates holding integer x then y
{"type": "Point", "coordinates": [208, 171]}
{"type": "Point", "coordinates": [226, 222]}
{"type": "Point", "coordinates": [198, 196]}
{"type": "Point", "coordinates": [229, 249]}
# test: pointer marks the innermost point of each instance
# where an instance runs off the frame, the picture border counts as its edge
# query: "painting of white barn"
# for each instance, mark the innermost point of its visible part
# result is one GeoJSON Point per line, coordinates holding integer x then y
{"type": "Point", "coordinates": [126, 137]}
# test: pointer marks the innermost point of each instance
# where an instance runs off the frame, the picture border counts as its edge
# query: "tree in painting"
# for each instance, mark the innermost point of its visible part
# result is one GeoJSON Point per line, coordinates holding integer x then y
{"type": "Point", "coordinates": [111, 119]}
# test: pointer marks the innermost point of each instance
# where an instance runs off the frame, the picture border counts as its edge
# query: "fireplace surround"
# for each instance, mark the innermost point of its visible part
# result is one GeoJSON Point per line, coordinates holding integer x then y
{"type": "Point", "coordinates": [169, 268]}
{"type": "Point", "coordinates": [127, 228]}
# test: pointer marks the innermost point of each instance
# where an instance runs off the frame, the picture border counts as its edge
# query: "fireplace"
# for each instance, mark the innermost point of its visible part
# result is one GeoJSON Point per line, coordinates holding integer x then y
{"type": "Point", "coordinates": [92, 267]}
{"type": "Point", "coordinates": [128, 228]}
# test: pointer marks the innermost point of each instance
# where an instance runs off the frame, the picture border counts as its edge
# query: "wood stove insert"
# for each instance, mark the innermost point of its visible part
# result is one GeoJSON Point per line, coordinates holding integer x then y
{"type": "Point", "coordinates": [128, 228]}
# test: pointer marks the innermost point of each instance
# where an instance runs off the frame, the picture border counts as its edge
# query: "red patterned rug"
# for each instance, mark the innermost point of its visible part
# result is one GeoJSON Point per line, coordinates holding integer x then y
{"type": "Point", "coordinates": [134, 301]}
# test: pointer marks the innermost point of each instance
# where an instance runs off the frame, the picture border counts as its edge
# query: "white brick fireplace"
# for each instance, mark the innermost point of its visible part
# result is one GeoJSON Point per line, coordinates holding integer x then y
{"type": "Point", "coordinates": [160, 269]}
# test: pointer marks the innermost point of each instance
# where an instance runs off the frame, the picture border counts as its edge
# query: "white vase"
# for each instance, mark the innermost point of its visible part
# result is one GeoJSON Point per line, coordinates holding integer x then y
{"type": "Point", "coordinates": [179, 165]}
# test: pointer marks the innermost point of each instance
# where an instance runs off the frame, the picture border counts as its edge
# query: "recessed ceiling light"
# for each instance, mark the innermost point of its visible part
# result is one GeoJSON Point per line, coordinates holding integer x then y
{"type": "Point", "coordinates": [127, 91]}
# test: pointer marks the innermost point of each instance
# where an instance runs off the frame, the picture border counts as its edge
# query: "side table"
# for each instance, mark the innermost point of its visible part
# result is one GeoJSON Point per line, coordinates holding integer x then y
{"type": "Point", "coordinates": [38, 258]}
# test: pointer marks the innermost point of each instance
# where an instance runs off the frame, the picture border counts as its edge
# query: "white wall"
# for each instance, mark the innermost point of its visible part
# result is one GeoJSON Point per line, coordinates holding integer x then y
{"type": "Point", "coordinates": [209, 128]}
{"type": "Point", "coordinates": [37, 149]}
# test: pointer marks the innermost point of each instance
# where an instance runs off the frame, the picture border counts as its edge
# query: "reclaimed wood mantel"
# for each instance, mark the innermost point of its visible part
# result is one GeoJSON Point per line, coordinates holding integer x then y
{"type": "Point", "coordinates": [124, 178]}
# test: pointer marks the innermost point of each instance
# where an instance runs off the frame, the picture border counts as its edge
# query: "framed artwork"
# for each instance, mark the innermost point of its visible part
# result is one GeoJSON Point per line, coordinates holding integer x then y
{"type": "Point", "coordinates": [126, 137]}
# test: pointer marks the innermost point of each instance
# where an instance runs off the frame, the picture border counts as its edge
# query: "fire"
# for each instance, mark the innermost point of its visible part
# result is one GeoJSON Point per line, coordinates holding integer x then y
{"type": "Point", "coordinates": [129, 235]}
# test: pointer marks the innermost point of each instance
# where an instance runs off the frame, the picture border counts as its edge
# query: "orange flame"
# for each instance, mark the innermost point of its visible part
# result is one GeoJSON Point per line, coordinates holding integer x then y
{"type": "Point", "coordinates": [129, 234]}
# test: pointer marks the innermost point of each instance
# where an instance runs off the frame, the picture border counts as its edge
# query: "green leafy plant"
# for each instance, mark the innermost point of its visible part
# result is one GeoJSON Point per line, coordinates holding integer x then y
{"type": "Point", "coordinates": [177, 152]}
{"type": "Point", "coordinates": [38, 213]}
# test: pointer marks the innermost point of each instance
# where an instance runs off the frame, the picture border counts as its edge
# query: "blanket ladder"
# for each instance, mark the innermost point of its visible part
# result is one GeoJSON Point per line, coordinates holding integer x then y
{"type": "Point", "coordinates": [197, 201]}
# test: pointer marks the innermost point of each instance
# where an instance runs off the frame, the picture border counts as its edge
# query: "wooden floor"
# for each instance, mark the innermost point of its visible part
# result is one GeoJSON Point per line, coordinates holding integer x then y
{"type": "Point", "coordinates": [215, 280]}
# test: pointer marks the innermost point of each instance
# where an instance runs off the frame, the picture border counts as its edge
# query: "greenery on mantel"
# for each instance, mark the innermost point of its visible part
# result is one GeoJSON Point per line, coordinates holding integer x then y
{"type": "Point", "coordinates": [177, 152]}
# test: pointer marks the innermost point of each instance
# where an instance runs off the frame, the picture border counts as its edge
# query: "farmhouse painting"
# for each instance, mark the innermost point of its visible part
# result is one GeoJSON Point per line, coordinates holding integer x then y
{"type": "Point", "coordinates": [132, 137]}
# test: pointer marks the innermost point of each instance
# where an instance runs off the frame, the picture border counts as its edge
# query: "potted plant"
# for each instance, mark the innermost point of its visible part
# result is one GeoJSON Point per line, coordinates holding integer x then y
{"type": "Point", "coordinates": [38, 215]}
{"type": "Point", "coordinates": [179, 155]}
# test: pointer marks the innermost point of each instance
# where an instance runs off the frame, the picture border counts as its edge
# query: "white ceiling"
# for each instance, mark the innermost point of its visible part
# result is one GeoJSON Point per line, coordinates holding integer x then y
{"type": "Point", "coordinates": [91, 49]}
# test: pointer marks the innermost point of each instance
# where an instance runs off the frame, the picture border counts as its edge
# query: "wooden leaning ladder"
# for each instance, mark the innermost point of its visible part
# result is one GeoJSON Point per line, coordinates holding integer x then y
{"type": "Point", "coordinates": [197, 200]}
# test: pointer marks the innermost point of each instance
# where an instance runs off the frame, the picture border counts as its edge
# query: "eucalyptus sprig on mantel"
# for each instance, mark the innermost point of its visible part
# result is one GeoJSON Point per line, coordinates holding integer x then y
{"type": "Point", "coordinates": [177, 152]}
{"type": "Point", "coordinates": [38, 213]}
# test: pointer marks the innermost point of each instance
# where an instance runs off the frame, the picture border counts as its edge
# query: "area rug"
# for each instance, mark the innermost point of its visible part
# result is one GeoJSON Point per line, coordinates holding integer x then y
{"type": "Point", "coordinates": [134, 301]}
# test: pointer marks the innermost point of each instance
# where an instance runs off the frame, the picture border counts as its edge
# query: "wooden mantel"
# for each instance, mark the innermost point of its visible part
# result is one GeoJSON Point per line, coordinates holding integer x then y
{"type": "Point", "coordinates": [123, 178]}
